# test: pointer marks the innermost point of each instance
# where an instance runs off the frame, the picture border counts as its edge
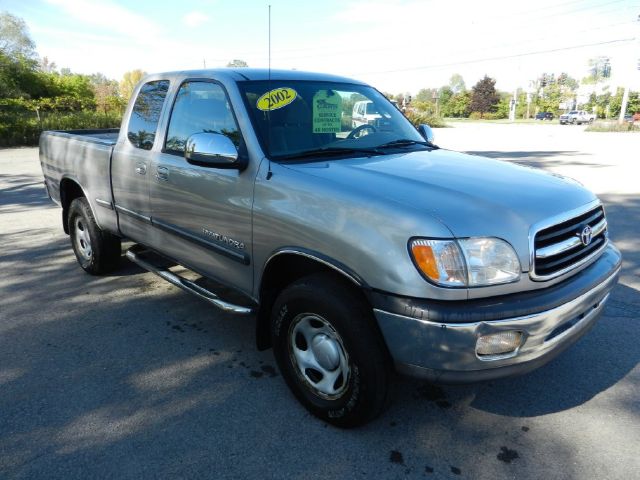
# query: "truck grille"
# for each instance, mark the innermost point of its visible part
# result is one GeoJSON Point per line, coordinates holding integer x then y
{"type": "Point", "coordinates": [568, 244]}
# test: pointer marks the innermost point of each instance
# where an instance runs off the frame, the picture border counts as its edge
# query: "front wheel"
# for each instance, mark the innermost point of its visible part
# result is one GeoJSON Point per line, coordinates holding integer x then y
{"type": "Point", "coordinates": [329, 350]}
{"type": "Point", "coordinates": [97, 251]}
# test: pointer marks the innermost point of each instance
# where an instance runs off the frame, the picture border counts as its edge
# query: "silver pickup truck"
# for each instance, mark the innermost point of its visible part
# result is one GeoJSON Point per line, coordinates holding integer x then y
{"type": "Point", "coordinates": [577, 117]}
{"type": "Point", "coordinates": [358, 251]}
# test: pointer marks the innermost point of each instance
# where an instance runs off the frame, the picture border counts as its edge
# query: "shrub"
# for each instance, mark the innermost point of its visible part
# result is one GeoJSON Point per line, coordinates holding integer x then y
{"type": "Point", "coordinates": [486, 116]}
{"type": "Point", "coordinates": [420, 117]}
{"type": "Point", "coordinates": [613, 127]}
{"type": "Point", "coordinates": [495, 115]}
{"type": "Point", "coordinates": [24, 128]}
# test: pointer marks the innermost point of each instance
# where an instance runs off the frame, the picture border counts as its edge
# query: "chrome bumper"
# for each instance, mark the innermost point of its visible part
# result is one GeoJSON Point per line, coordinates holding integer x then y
{"type": "Point", "coordinates": [446, 352]}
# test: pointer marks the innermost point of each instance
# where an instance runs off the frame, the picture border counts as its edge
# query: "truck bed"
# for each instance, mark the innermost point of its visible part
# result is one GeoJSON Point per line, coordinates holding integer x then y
{"type": "Point", "coordinates": [83, 157]}
{"type": "Point", "coordinates": [106, 136]}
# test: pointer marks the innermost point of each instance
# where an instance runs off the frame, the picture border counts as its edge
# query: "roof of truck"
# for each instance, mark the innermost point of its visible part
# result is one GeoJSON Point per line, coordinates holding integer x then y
{"type": "Point", "coordinates": [248, 74]}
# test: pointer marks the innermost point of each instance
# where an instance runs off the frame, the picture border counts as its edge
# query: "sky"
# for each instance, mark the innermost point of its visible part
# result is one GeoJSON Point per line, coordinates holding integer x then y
{"type": "Point", "coordinates": [399, 46]}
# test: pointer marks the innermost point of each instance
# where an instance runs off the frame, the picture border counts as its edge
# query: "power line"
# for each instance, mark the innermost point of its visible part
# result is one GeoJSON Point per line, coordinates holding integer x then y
{"type": "Point", "coordinates": [580, 10]}
{"type": "Point", "coordinates": [514, 15]}
{"type": "Point", "coordinates": [502, 57]}
{"type": "Point", "coordinates": [332, 53]}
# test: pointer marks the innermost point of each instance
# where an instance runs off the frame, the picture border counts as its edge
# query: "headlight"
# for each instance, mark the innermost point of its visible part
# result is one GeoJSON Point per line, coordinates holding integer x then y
{"type": "Point", "coordinates": [471, 262]}
{"type": "Point", "coordinates": [440, 260]}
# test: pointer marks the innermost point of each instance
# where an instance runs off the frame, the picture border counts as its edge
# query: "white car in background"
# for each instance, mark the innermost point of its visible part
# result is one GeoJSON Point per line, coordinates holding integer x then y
{"type": "Point", "coordinates": [364, 113]}
{"type": "Point", "coordinates": [577, 117]}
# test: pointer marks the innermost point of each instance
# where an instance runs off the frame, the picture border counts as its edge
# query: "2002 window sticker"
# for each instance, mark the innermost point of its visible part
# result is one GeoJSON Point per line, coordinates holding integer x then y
{"type": "Point", "coordinates": [276, 98]}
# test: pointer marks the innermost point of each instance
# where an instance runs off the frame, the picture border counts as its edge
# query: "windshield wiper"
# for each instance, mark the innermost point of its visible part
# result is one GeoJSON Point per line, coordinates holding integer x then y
{"type": "Point", "coordinates": [404, 142]}
{"type": "Point", "coordinates": [329, 152]}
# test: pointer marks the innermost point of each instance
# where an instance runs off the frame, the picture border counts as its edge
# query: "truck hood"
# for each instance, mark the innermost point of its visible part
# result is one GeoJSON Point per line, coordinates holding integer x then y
{"type": "Point", "coordinates": [471, 195]}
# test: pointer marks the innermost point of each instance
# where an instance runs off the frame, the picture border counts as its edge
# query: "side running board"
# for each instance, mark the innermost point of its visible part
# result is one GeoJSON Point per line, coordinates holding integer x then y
{"type": "Point", "coordinates": [140, 256]}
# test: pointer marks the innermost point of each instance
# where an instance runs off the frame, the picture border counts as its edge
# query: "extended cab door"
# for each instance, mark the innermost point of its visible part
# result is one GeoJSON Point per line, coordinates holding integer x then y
{"type": "Point", "coordinates": [202, 214]}
{"type": "Point", "coordinates": [131, 162]}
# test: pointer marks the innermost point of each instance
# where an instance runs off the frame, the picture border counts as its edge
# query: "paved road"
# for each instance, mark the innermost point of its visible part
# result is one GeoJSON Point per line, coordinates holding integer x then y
{"type": "Point", "coordinates": [127, 377]}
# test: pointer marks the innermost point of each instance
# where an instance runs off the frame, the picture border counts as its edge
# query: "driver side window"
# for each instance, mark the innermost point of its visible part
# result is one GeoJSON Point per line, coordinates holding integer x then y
{"type": "Point", "coordinates": [200, 107]}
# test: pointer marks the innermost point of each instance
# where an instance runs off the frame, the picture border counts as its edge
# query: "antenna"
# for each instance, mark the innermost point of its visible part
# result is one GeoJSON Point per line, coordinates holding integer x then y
{"type": "Point", "coordinates": [269, 51]}
{"type": "Point", "coordinates": [269, 172]}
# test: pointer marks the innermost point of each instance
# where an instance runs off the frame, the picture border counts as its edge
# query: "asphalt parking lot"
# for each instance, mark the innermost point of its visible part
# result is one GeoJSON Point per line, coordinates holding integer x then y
{"type": "Point", "coordinates": [125, 376]}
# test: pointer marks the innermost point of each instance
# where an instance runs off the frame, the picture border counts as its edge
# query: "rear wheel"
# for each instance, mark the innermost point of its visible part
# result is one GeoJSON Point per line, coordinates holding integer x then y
{"type": "Point", "coordinates": [329, 351]}
{"type": "Point", "coordinates": [97, 251]}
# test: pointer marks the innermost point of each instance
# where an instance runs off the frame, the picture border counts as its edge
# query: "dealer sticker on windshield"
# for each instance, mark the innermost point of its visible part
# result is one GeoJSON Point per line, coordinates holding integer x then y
{"type": "Point", "coordinates": [327, 110]}
{"type": "Point", "coordinates": [276, 98]}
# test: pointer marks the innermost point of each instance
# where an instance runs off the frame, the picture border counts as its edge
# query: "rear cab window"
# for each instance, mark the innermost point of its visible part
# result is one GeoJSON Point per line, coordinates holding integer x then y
{"type": "Point", "coordinates": [145, 115]}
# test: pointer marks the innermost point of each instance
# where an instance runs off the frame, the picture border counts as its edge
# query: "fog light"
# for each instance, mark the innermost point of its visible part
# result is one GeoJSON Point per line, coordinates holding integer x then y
{"type": "Point", "coordinates": [501, 343]}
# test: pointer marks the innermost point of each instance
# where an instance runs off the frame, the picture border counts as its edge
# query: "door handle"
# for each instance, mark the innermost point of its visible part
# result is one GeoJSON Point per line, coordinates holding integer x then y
{"type": "Point", "coordinates": [162, 173]}
{"type": "Point", "coordinates": [141, 169]}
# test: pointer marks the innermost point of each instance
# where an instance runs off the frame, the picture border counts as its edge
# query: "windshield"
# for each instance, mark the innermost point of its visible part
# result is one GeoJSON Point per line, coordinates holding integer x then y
{"type": "Point", "coordinates": [309, 116]}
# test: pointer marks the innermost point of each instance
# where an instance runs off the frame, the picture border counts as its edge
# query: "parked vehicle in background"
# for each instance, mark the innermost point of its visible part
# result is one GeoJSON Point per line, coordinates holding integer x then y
{"type": "Point", "coordinates": [544, 116]}
{"type": "Point", "coordinates": [365, 113]}
{"type": "Point", "coordinates": [355, 251]}
{"type": "Point", "coordinates": [577, 117]}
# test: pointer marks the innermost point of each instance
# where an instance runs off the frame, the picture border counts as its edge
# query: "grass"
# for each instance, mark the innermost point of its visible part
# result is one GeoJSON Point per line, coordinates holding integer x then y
{"type": "Point", "coordinates": [613, 126]}
{"type": "Point", "coordinates": [501, 120]}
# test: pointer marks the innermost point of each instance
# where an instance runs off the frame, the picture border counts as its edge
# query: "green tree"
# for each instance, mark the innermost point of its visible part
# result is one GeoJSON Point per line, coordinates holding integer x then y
{"type": "Point", "coordinates": [107, 95]}
{"type": "Point", "coordinates": [14, 37]}
{"type": "Point", "coordinates": [237, 63]}
{"type": "Point", "coordinates": [484, 96]}
{"type": "Point", "coordinates": [456, 83]}
{"type": "Point", "coordinates": [521, 105]}
{"type": "Point", "coordinates": [549, 97]}
{"type": "Point", "coordinates": [458, 105]}
{"type": "Point", "coordinates": [615, 102]}
{"type": "Point", "coordinates": [425, 95]}
{"type": "Point", "coordinates": [504, 105]}
{"type": "Point", "coordinates": [47, 66]}
{"type": "Point", "coordinates": [599, 70]}
{"type": "Point", "coordinates": [128, 83]}
{"type": "Point", "coordinates": [443, 97]}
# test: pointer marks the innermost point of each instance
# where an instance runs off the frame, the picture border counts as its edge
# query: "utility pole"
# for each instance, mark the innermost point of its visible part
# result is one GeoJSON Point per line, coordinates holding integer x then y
{"type": "Point", "coordinates": [625, 95]}
{"type": "Point", "coordinates": [434, 96]}
{"type": "Point", "coordinates": [623, 106]}
{"type": "Point", "coordinates": [512, 107]}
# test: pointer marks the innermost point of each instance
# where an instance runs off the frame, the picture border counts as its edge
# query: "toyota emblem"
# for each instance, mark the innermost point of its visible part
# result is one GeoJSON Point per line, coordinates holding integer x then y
{"type": "Point", "coordinates": [586, 235]}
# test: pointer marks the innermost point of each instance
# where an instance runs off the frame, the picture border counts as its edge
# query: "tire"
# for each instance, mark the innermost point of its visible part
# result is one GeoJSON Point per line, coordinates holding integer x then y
{"type": "Point", "coordinates": [329, 351]}
{"type": "Point", "coordinates": [573, 121]}
{"type": "Point", "coordinates": [97, 251]}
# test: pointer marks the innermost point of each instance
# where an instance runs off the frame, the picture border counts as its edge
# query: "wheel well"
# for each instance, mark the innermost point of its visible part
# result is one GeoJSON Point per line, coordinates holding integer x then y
{"type": "Point", "coordinates": [281, 271]}
{"type": "Point", "coordinates": [69, 191]}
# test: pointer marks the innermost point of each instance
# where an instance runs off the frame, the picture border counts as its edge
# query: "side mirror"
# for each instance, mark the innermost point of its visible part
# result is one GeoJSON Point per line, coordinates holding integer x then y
{"type": "Point", "coordinates": [211, 150]}
{"type": "Point", "coordinates": [426, 132]}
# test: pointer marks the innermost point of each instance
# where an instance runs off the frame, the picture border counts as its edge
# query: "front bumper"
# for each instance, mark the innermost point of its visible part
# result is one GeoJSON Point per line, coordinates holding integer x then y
{"type": "Point", "coordinates": [445, 351]}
